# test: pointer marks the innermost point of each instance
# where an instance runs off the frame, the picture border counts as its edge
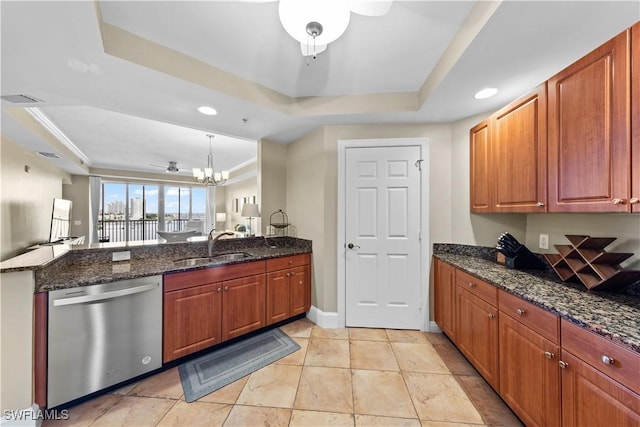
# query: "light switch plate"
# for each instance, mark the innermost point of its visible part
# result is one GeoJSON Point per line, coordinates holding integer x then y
{"type": "Point", "coordinates": [121, 256]}
{"type": "Point", "coordinates": [544, 241]}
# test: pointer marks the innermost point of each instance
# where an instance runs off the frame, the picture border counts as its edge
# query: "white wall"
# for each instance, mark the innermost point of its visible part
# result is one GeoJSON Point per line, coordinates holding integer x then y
{"type": "Point", "coordinates": [244, 188]}
{"type": "Point", "coordinates": [78, 192]}
{"type": "Point", "coordinates": [26, 199]}
{"type": "Point", "coordinates": [272, 177]}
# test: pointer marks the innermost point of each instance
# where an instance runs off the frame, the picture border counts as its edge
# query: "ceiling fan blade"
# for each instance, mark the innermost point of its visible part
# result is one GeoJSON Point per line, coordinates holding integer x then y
{"type": "Point", "coordinates": [370, 7]}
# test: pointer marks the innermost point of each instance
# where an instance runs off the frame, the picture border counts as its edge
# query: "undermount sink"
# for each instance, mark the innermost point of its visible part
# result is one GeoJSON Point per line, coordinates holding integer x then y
{"type": "Point", "coordinates": [194, 262]}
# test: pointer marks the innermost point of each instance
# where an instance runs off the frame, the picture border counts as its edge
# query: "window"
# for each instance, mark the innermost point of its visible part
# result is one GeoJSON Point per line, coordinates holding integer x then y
{"type": "Point", "coordinates": [131, 212]}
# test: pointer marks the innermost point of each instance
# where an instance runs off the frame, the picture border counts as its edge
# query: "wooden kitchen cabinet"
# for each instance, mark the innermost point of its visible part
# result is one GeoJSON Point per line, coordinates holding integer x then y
{"type": "Point", "coordinates": [480, 167]}
{"type": "Point", "coordinates": [445, 296]}
{"type": "Point", "coordinates": [288, 287]}
{"type": "Point", "coordinates": [476, 325]}
{"type": "Point", "coordinates": [589, 132]}
{"type": "Point", "coordinates": [519, 154]}
{"type": "Point", "coordinates": [634, 201]}
{"type": "Point", "coordinates": [243, 306]}
{"type": "Point", "coordinates": [529, 355]}
{"type": "Point", "coordinates": [192, 320]}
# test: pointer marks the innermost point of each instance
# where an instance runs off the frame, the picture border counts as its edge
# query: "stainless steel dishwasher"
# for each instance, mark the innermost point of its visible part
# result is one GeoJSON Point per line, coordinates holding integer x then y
{"type": "Point", "coordinates": [102, 335]}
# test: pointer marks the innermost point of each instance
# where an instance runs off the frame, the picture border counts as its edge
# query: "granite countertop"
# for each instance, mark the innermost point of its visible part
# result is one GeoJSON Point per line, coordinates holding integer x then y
{"type": "Point", "coordinates": [615, 316]}
{"type": "Point", "coordinates": [85, 267]}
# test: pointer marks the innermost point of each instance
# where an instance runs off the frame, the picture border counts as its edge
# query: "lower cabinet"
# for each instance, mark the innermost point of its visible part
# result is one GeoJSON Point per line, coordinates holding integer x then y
{"type": "Point", "coordinates": [288, 287]}
{"type": "Point", "coordinates": [212, 305]}
{"type": "Point", "coordinates": [477, 325]}
{"type": "Point", "coordinates": [549, 372]}
{"type": "Point", "coordinates": [444, 281]}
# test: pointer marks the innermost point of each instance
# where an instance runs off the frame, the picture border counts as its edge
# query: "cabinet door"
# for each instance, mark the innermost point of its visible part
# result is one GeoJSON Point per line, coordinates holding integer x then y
{"type": "Point", "coordinates": [529, 374]}
{"type": "Point", "coordinates": [519, 154]}
{"type": "Point", "coordinates": [277, 296]}
{"type": "Point", "coordinates": [480, 173]}
{"type": "Point", "coordinates": [299, 289]}
{"type": "Point", "coordinates": [191, 320]}
{"type": "Point", "coordinates": [635, 117]}
{"type": "Point", "coordinates": [589, 156]}
{"type": "Point", "coordinates": [477, 334]}
{"type": "Point", "coordinates": [445, 296]}
{"type": "Point", "coordinates": [244, 306]}
{"type": "Point", "coordinates": [590, 398]}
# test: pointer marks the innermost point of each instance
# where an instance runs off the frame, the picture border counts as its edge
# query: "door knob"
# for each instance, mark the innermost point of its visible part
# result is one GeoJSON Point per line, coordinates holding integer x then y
{"type": "Point", "coordinates": [351, 246]}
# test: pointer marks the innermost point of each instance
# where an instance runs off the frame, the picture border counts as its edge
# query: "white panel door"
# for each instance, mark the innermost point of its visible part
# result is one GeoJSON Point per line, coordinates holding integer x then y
{"type": "Point", "coordinates": [382, 226]}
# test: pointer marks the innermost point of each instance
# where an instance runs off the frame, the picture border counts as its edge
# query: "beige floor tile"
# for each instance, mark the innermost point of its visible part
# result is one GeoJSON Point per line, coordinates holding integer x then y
{"type": "Point", "coordinates": [136, 411]}
{"type": "Point", "coordinates": [227, 394]}
{"type": "Point", "coordinates": [368, 334]}
{"type": "Point", "coordinates": [492, 408]}
{"type": "Point", "coordinates": [437, 338]}
{"type": "Point", "coordinates": [381, 393]}
{"type": "Point", "coordinates": [375, 421]}
{"type": "Point", "coordinates": [316, 418]}
{"type": "Point", "coordinates": [418, 358]}
{"type": "Point", "coordinates": [196, 414]}
{"type": "Point", "coordinates": [372, 355]}
{"type": "Point", "coordinates": [328, 352]}
{"type": "Point", "coordinates": [165, 385]}
{"type": "Point", "coordinates": [335, 334]}
{"type": "Point", "coordinates": [86, 413]}
{"type": "Point", "coordinates": [299, 328]}
{"type": "Point", "coordinates": [455, 361]}
{"type": "Point", "coordinates": [273, 385]}
{"type": "Point", "coordinates": [296, 358]}
{"type": "Point", "coordinates": [440, 398]}
{"type": "Point", "coordinates": [325, 389]}
{"type": "Point", "coordinates": [416, 337]}
{"type": "Point", "coordinates": [429, 423]}
{"type": "Point", "coordinates": [255, 416]}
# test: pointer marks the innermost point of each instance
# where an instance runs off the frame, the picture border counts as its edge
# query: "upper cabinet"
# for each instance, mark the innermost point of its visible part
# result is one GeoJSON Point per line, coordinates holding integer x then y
{"type": "Point", "coordinates": [589, 138]}
{"type": "Point", "coordinates": [480, 137]}
{"type": "Point", "coordinates": [519, 148]}
{"type": "Point", "coordinates": [634, 201]}
{"type": "Point", "coordinates": [571, 145]}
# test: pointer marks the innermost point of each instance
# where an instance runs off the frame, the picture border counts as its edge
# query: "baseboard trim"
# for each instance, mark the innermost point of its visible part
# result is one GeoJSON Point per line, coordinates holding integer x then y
{"type": "Point", "coordinates": [433, 327]}
{"type": "Point", "coordinates": [324, 319]}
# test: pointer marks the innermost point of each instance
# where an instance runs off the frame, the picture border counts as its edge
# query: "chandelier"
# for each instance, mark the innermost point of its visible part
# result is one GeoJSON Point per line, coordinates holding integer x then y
{"type": "Point", "coordinates": [207, 176]}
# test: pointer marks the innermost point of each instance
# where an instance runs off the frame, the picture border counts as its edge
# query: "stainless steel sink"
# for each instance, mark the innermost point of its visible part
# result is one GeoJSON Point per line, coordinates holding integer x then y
{"type": "Point", "coordinates": [194, 262]}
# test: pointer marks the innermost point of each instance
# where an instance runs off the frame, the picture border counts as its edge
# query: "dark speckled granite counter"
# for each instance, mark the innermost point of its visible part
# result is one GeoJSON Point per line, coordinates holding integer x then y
{"type": "Point", "coordinates": [615, 316]}
{"type": "Point", "coordinates": [84, 267]}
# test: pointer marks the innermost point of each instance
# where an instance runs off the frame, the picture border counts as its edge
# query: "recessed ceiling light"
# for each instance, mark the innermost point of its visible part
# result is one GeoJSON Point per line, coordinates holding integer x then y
{"type": "Point", "coordinates": [487, 92]}
{"type": "Point", "coordinates": [209, 111]}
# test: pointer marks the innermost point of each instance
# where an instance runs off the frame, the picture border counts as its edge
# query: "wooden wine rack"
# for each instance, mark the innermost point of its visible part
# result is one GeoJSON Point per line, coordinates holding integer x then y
{"type": "Point", "coordinates": [586, 261]}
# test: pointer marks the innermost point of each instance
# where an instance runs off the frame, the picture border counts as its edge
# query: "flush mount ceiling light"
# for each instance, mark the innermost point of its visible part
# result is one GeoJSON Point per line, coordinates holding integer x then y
{"type": "Point", "coordinates": [487, 92]}
{"type": "Point", "coordinates": [207, 176]}
{"type": "Point", "coordinates": [206, 110]}
{"type": "Point", "coordinates": [316, 23]}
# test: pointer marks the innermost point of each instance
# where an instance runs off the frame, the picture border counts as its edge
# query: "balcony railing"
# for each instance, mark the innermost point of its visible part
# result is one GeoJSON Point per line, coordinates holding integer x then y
{"type": "Point", "coordinates": [139, 229]}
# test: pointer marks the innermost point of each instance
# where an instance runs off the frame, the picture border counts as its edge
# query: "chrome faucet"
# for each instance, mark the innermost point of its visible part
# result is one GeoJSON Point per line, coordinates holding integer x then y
{"type": "Point", "coordinates": [213, 240]}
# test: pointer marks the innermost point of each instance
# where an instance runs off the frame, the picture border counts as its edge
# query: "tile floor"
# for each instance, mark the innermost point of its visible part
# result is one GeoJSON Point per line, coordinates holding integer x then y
{"type": "Point", "coordinates": [339, 377]}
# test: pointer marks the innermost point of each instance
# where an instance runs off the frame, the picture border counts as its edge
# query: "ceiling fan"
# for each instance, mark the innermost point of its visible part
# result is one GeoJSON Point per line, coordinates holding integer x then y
{"type": "Point", "coordinates": [171, 168]}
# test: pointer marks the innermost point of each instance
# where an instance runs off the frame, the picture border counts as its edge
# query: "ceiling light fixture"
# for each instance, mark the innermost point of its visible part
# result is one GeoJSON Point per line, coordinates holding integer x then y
{"type": "Point", "coordinates": [208, 111]}
{"type": "Point", "coordinates": [207, 176]}
{"type": "Point", "coordinates": [316, 23]}
{"type": "Point", "coordinates": [487, 92]}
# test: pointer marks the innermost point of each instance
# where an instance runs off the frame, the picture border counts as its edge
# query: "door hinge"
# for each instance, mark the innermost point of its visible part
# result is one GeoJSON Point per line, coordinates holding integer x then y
{"type": "Point", "coordinates": [418, 164]}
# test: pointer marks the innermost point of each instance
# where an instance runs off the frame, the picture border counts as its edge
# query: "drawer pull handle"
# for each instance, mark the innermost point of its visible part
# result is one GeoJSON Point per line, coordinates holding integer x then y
{"type": "Point", "coordinates": [226, 288]}
{"type": "Point", "coordinates": [219, 289]}
{"type": "Point", "coordinates": [540, 204]}
{"type": "Point", "coordinates": [491, 315]}
{"type": "Point", "coordinates": [563, 365]}
{"type": "Point", "coordinates": [607, 360]}
{"type": "Point", "coordinates": [288, 274]}
{"type": "Point", "coordinates": [634, 200]}
{"type": "Point", "coordinates": [618, 201]}
{"type": "Point", "coordinates": [293, 273]}
{"type": "Point", "coordinates": [472, 285]}
{"type": "Point", "coordinates": [549, 355]}
{"type": "Point", "coordinates": [520, 312]}
{"type": "Point", "coordinates": [290, 261]}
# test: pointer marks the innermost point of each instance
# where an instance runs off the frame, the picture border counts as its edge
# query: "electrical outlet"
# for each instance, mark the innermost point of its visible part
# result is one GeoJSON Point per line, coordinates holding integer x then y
{"type": "Point", "coordinates": [77, 222]}
{"type": "Point", "coordinates": [121, 256]}
{"type": "Point", "coordinates": [544, 241]}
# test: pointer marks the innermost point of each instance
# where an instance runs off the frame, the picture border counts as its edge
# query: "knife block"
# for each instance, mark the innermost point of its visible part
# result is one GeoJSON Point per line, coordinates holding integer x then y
{"type": "Point", "coordinates": [524, 259]}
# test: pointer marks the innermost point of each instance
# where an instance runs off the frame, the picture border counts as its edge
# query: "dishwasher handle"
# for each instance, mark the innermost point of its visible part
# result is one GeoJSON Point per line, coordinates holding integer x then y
{"type": "Point", "coordinates": [104, 295]}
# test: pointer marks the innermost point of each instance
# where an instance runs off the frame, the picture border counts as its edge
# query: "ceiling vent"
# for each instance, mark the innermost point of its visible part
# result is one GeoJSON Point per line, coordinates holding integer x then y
{"type": "Point", "coordinates": [48, 155]}
{"type": "Point", "coordinates": [20, 99]}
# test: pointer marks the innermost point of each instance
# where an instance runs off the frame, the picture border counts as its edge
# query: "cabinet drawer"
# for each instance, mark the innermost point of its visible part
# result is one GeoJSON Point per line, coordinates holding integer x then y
{"type": "Point", "coordinates": [188, 279]}
{"type": "Point", "coordinates": [281, 263]}
{"type": "Point", "coordinates": [535, 318]}
{"type": "Point", "coordinates": [478, 287]}
{"type": "Point", "coordinates": [592, 348]}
